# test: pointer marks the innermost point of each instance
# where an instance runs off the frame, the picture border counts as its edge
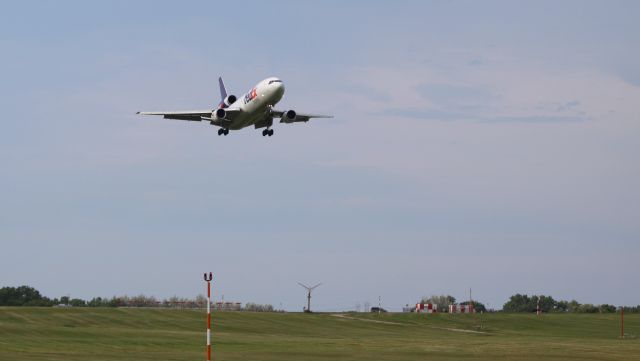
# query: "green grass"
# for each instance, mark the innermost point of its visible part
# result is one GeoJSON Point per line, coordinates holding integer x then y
{"type": "Point", "coordinates": [149, 334]}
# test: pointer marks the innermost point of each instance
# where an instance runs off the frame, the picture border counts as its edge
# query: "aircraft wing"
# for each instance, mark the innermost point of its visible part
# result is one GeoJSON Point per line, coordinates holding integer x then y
{"type": "Point", "coordinates": [300, 117]}
{"type": "Point", "coordinates": [192, 115]}
{"type": "Point", "coordinates": [198, 116]}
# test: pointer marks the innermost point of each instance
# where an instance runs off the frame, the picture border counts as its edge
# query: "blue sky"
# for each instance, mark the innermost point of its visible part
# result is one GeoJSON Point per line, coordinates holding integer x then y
{"type": "Point", "coordinates": [491, 145]}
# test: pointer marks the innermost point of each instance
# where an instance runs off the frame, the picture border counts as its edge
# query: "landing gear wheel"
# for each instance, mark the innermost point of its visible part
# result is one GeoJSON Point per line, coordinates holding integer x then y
{"type": "Point", "coordinates": [220, 131]}
{"type": "Point", "coordinates": [226, 132]}
{"type": "Point", "coordinates": [270, 133]}
{"type": "Point", "coordinates": [264, 132]}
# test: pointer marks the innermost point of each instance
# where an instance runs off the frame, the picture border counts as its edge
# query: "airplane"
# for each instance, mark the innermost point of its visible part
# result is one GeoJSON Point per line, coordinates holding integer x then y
{"type": "Point", "coordinates": [253, 108]}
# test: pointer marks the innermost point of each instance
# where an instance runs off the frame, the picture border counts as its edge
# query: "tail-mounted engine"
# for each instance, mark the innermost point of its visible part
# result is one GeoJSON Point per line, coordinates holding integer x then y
{"type": "Point", "coordinates": [228, 101]}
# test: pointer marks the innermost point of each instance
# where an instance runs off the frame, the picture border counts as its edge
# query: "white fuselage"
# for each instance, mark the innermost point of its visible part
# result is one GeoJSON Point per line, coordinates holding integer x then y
{"type": "Point", "coordinates": [255, 105]}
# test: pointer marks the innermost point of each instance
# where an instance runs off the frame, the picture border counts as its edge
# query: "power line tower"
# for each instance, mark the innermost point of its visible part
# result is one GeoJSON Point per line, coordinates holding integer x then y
{"type": "Point", "coordinates": [309, 289]}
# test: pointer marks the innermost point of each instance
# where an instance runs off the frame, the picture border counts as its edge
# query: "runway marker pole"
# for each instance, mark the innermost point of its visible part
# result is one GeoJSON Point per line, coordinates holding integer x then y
{"type": "Point", "coordinates": [208, 280]}
{"type": "Point", "coordinates": [622, 322]}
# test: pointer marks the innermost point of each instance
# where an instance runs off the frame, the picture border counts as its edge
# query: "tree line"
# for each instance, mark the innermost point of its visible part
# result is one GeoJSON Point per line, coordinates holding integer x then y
{"type": "Point", "coordinates": [529, 304]}
{"type": "Point", "coordinates": [525, 303]}
{"type": "Point", "coordinates": [29, 296]}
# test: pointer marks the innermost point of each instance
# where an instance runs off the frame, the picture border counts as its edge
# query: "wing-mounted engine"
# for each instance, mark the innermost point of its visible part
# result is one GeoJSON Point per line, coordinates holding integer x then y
{"type": "Point", "coordinates": [289, 116]}
{"type": "Point", "coordinates": [221, 117]}
{"type": "Point", "coordinates": [219, 114]}
{"type": "Point", "coordinates": [228, 101]}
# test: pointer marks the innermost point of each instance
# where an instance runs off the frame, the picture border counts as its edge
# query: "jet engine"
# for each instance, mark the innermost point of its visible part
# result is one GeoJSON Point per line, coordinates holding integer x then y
{"type": "Point", "coordinates": [229, 100]}
{"type": "Point", "coordinates": [289, 116]}
{"type": "Point", "coordinates": [220, 113]}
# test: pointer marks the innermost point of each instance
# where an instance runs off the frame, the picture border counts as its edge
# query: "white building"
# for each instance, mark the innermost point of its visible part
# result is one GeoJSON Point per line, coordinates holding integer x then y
{"type": "Point", "coordinates": [461, 309]}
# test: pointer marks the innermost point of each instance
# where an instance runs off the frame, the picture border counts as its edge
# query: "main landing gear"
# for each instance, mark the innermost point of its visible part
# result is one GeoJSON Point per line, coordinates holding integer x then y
{"type": "Point", "coordinates": [222, 131]}
{"type": "Point", "coordinates": [268, 132]}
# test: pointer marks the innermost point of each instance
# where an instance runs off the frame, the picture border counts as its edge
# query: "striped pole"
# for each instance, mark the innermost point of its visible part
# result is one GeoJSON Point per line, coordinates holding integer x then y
{"type": "Point", "coordinates": [622, 322]}
{"type": "Point", "coordinates": [208, 280]}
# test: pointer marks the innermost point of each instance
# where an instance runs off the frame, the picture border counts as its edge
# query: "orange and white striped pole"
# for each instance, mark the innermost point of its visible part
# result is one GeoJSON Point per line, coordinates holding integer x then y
{"type": "Point", "coordinates": [208, 280]}
{"type": "Point", "coordinates": [622, 322]}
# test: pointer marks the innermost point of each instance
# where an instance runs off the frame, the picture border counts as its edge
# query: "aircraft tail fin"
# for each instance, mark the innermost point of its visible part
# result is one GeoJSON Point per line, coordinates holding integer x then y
{"type": "Point", "coordinates": [223, 90]}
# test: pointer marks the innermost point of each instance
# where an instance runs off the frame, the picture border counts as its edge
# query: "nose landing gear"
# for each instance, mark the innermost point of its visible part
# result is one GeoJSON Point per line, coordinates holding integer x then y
{"type": "Point", "coordinates": [268, 132]}
{"type": "Point", "coordinates": [222, 131]}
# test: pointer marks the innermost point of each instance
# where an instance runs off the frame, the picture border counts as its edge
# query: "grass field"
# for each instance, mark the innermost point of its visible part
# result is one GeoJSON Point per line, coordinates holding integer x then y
{"type": "Point", "coordinates": [155, 334]}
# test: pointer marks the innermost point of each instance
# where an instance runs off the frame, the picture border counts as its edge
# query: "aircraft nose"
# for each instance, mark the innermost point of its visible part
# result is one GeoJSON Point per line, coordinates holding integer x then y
{"type": "Point", "coordinates": [279, 87]}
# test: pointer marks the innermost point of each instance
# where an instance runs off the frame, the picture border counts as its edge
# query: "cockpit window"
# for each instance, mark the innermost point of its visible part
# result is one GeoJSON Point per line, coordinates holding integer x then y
{"type": "Point", "coordinates": [275, 81]}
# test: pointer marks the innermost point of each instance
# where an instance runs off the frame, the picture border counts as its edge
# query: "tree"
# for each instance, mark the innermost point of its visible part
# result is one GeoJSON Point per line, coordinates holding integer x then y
{"type": "Point", "coordinates": [22, 296]}
{"type": "Point", "coordinates": [115, 302]}
{"type": "Point", "coordinates": [562, 306]}
{"type": "Point", "coordinates": [201, 301]}
{"type": "Point", "coordinates": [547, 303]}
{"type": "Point", "coordinates": [587, 308]}
{"type": "Point", "coordinates": [518, 303]}
{"type": "Point", "coordinates": [76, 302]}
{"type": "Point", "coordinates": [97, 302]}
{"type": "Point", "coordinates": [254, 307]}
{"type": "Point", "coordinates": [605, 308]}
{"type": "Point", "coordinates": [140, 301]}
{"type": "Point", "coordinates": [524, 303]}
{"type": "Point", "coordinates": [632, 309]}
{"type": "Point", "coordinates": [573, 306]}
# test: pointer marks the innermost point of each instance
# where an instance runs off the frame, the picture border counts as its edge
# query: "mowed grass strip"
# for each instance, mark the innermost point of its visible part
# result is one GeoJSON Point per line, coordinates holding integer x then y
{"type": "Point", "coordinates": [158, 334]}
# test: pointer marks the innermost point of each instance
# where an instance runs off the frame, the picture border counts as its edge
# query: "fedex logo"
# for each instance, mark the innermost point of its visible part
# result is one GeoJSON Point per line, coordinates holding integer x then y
{"type": "Point", "coordinates": [250, 96]}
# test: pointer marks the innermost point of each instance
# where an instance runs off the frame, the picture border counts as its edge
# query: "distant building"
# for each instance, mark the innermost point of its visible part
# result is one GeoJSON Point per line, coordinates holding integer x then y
{"type": "Point", "coordinates": [377, 309]}
{"type": "Point", "coordinates": [227, 306]}
{"type": "Point", "coordinates": [181, 304]}
{"type": "Point", "coordinates": [426, 307]}
{"type": "Point", "coordinates": [461, 309]}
